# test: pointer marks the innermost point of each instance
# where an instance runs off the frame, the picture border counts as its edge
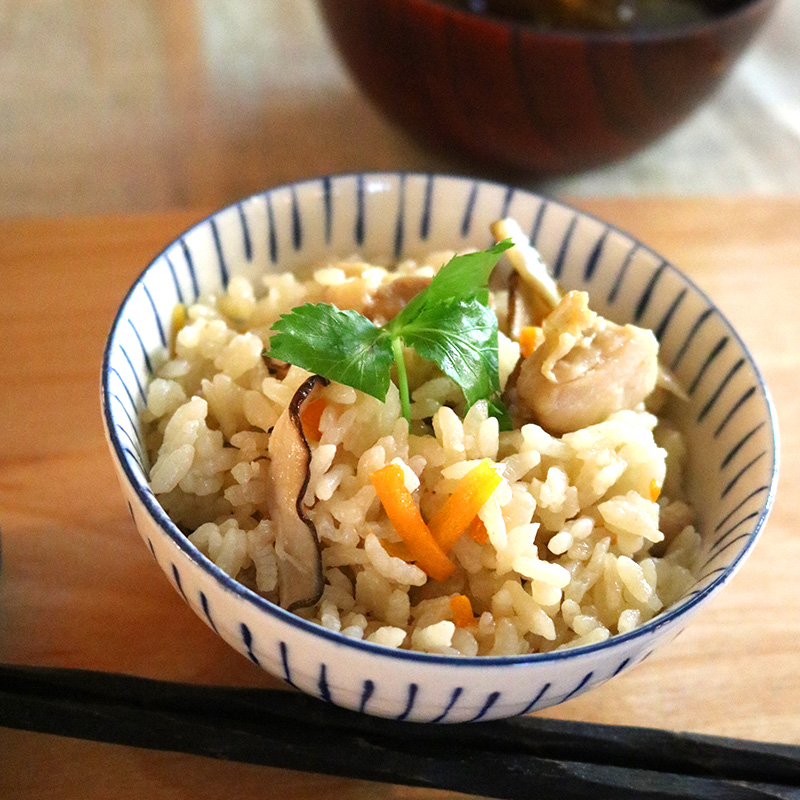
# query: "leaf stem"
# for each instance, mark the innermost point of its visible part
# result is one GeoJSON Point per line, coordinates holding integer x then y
{"type": "Point", "coordinates": [402, 377]}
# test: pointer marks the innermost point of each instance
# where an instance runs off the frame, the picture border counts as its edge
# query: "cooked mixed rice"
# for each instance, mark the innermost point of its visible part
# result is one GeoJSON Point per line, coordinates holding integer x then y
{"type": "Point", "coordinates": [587, 534]}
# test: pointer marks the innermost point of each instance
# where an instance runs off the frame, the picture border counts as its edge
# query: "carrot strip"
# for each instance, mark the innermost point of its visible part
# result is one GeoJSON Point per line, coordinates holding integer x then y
{"type": "Point", "coordinates": [398, 550]}
{"type": "Point", "coordinates": [471, 492]}
{"type": "Point", "coordinates": [310, 416]}
{"type": "Point", "coordinates": [477, 530]}
{"type": "Point", "coordinates": [461, 609]}
{"type": "Point", "coordinates": [655, 490]}
{"type": "Point", "coordinates": [408, 522]}
{"type": "Point", "coordinates": [530, 338]}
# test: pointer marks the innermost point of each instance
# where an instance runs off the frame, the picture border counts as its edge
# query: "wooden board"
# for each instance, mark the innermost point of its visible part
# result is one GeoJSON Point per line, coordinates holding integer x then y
{"type": "Point", "coordinates": [79, 589]}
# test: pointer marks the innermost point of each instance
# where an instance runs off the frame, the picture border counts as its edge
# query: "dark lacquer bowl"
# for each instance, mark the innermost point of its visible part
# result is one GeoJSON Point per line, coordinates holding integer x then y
{"type": "Point", "coordinates": [546, 101]}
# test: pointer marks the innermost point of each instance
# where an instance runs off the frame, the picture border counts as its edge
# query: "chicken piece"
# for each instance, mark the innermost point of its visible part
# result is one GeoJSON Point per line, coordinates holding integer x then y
{"type": "Point", "coordinates": [389, 299]}
{"type": "Point", "coordinates": [378, 303]}
{"type": "Point", "coordinates": [586, 369]}
{"type": "Point", "coordinates": [350, 295]}
{"type": "Point", "coordinates": [532, 292]}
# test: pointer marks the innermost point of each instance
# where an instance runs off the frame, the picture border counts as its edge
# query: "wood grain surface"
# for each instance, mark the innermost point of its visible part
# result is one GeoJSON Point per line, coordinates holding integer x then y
{"type": "Point", "coordinates": [79, 589]}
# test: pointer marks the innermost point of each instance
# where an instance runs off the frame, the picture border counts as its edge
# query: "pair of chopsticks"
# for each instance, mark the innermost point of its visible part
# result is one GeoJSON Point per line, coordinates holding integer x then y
{"type": "Point", "coordinates": [522, 757]}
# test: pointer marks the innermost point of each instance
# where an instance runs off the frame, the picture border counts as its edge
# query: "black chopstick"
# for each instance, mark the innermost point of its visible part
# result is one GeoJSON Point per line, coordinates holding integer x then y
{"type": "Point", "coordinates": [515, 758]}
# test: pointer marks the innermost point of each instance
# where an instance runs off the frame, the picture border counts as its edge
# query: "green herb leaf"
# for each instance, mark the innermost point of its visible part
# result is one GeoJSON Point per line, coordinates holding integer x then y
{"type": "Point", "coordinates": [461, 278]}
{"type": "Point", "coordinates": [448, 323]}
{"type": "Point", "coordinates": [498, 410]}
{"type": "Point", "coordinates": [460, 337]}
{"type": "Point", "coordinates": [343, 346]}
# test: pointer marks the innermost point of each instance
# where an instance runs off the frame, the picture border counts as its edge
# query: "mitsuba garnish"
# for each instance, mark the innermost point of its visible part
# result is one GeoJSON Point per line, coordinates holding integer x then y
{"type": "Point", "coordinates": [449, 323]}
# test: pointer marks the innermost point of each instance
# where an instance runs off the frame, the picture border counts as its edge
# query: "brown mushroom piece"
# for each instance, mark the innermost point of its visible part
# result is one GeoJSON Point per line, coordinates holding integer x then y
{"type": "Point", "coordinates": [586, 369]}
{"type": "Point", "coordinates": [275, 367]}
{"type": "Point", "coordinates": [300, 580]}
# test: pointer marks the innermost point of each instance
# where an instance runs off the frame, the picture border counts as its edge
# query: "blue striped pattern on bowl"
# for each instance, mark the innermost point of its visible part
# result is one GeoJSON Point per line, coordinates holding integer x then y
{"type": "Point", "coordinates": [729, 421]}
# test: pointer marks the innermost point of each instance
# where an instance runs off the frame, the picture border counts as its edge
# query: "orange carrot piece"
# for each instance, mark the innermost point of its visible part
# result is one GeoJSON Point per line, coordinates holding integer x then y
{"type": "Point", "coordinates": [404, 515]}
{"type": "Point", "coordinates": [461, 609]}
{"type": "Point", "coordinates": [398, 550]}
{"type": "Point", "coordinates": [655, 490]}
{"type": "Point", "coordinates": [477, 530]}
{"type": "Point", "coordinates": [530, 338]}
{"type": "Point", "coordinates": [471, 492]}
{"type": "Point", "coordinates": [310, 415]}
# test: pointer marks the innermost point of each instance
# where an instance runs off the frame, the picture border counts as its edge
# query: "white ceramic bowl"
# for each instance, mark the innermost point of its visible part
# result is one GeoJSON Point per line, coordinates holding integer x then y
{"type": "Point", "coordinates": [729, 421]}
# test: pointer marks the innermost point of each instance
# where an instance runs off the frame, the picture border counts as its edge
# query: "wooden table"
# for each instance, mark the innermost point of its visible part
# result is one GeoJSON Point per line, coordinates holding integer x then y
{"type": "Point", "coordinates": [78, 588]}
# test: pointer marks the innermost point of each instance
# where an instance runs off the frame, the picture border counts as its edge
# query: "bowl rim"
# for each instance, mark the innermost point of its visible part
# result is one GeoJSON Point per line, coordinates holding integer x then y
{"type": "Point", "coordinates": [681, 609]}
{"type": "Point", "coordinates": [677, 32]}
